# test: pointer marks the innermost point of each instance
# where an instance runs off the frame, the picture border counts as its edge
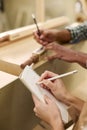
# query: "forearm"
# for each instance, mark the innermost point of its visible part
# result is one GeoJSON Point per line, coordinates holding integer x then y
{"type": "Point", "coordinates": [75, 102]}
{"type": "Point", "coordinates": [63, 36]}
{"type": "Point", "coordinates": [81, 58]}
{"type": "Point", "coordinates": [74, 56]}
{"type": "Point", "coordinates": [57, 125]}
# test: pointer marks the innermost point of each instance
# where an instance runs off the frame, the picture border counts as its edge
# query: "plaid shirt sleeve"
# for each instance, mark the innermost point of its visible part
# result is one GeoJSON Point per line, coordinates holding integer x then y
{"type": "Point", "coordinates": [78, 33]}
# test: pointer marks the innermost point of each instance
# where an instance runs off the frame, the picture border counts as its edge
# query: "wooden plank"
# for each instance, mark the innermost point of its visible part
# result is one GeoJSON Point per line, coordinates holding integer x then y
{"type": "Point", "coordinates": [16, 34]}
{"type": "Point", "coordinates": [84, 6]}
{"type": "Point", "coordinates": [40, 10]}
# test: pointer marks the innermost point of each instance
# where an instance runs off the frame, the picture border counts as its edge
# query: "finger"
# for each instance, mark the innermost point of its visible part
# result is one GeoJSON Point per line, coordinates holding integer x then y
{"type": "Point", "coordinates": [40, 41]}
{"type": "Point", "coordinates": [35, 33]}
{"type": "Point", "coordinates": [43, 38]}
{"type": "Point", "coordinates": [47, 99]}
{"type": "Point", "coordinates": [52, 46]}
{"type": "Point", "coordinates": [36, 114]}
{"type": "Point", "coordinates": [45, 43]}
{"type": "Point", "coordinates": [48, 84]}
{"type": "Point", "coordinates": [35, 110]}
{"type": "Point", "coordinates": [47, 74]}
{"type": "Point", "coordinates": [37, 39]}
{"type": "Point", "coordinates": [41, 31]}
{"type": "Point", "coordinates": [48, 47]}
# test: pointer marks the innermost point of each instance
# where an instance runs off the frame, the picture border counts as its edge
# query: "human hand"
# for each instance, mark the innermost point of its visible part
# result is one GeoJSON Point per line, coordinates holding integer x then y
{"type": "Point", "coordinates": [56, 87]}
{"type": "Point", "coordinates": [46, 37]}
{"type": "Point", "coordinates": [47, 111]}
{"type": "Point", "coordinates": [61, 52]}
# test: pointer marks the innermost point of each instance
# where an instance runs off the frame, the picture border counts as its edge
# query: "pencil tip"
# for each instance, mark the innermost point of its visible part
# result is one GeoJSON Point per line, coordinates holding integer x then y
{"type": "Point", "coordinates": [75, 71]}
{"type": "Point", "coordinates": [33, 16]}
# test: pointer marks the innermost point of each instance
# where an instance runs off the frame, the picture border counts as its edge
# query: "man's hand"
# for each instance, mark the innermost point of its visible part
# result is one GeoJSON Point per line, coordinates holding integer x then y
{"type": "Point", "coordinates": [60, 52]}
{"type": "Point", "coordinates": [63, 53]}
{"type": "Point", "coordinates": [46, 37]}
{"type": "Point", "coordinates": [51, 35]}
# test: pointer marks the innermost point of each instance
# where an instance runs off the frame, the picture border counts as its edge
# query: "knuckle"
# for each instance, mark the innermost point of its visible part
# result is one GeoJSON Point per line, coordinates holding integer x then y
{"type": "Point", "coordinates": [34, 109]}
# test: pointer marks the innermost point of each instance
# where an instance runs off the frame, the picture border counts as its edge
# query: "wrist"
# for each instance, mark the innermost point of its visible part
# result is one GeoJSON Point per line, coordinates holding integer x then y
{"type": "Point", "coordinates": [63, 36]}
{"type": "Point", "coordinates": [57, 125]}
{"type": "Point", "coordinates": [81, 59]}
{"type": "Point", "coordinates": [76, 102]}
{"type": "Point", "coordinates": [68, 55]}
{"type": "Point", "coordinates": [67, 99]}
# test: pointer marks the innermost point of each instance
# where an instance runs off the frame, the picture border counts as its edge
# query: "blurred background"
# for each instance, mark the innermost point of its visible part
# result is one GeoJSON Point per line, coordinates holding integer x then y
{"type": "Point", "coordinates": [17, 13]}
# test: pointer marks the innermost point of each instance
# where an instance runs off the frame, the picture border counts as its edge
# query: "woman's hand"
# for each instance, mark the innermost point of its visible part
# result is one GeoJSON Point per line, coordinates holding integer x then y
{"type": "Point", "coordinates": [48, 112]}
{"type": "Point", "coordinates": [59, 90]}
{"type": "Point", "coordinates": [56, 87]}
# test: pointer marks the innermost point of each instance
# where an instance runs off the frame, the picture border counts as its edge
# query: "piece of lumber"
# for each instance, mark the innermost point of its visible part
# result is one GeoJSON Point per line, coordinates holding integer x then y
{"type": "Point", "coordinates": [16, 34]}
{"type": "Point", "coordinates": [40, 10]}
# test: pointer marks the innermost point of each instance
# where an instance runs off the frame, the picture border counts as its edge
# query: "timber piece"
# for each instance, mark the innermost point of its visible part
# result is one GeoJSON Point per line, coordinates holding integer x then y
{"type": "Point", "coordinates": [19, 33]}
{"type": "Point", "coordinates": [40, 12]}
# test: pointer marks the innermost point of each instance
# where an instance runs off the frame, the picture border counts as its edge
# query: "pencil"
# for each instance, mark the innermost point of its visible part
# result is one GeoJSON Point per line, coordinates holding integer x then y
{"type": "Point", "coordinates": [59, 76]}
{"type": "Point", "coordinates": [35, 21]}
{"type": "Point", "coordinates": [41, 50]}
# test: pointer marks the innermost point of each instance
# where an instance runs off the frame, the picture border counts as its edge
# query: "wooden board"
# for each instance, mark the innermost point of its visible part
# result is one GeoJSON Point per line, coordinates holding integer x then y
{"type": "Point", "coordinates": [6, 79]}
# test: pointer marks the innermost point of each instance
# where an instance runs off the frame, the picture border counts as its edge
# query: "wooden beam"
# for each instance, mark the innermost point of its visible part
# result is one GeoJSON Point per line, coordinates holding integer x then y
{"type": "Point", "coordinates": [16, 34]}
{"type": "Point", "coordinates": [40, 10]}
{"type": "Point", "coordinates": [84, 6]}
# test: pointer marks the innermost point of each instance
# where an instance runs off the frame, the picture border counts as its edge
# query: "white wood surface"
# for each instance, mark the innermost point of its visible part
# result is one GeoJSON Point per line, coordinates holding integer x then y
{"type": "Point", "coordinates": [6, 78]}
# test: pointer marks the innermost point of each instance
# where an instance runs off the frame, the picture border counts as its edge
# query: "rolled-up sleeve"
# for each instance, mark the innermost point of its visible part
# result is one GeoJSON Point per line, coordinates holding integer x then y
{"type": "Point", "coordinates": [78, 33]}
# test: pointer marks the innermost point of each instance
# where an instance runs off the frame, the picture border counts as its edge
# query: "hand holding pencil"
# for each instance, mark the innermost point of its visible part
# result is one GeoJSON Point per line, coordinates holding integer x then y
{"type": "Point", "coordinates": [57, 87]}
{"type": "Point", "coordinates": [59, 76]}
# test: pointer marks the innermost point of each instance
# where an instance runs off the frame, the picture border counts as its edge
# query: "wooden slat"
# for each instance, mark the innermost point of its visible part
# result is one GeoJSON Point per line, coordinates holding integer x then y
{"type": "Point", "coordinates": [40, 10]}
{"type": "Point", "coordinates": [28, 30]}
